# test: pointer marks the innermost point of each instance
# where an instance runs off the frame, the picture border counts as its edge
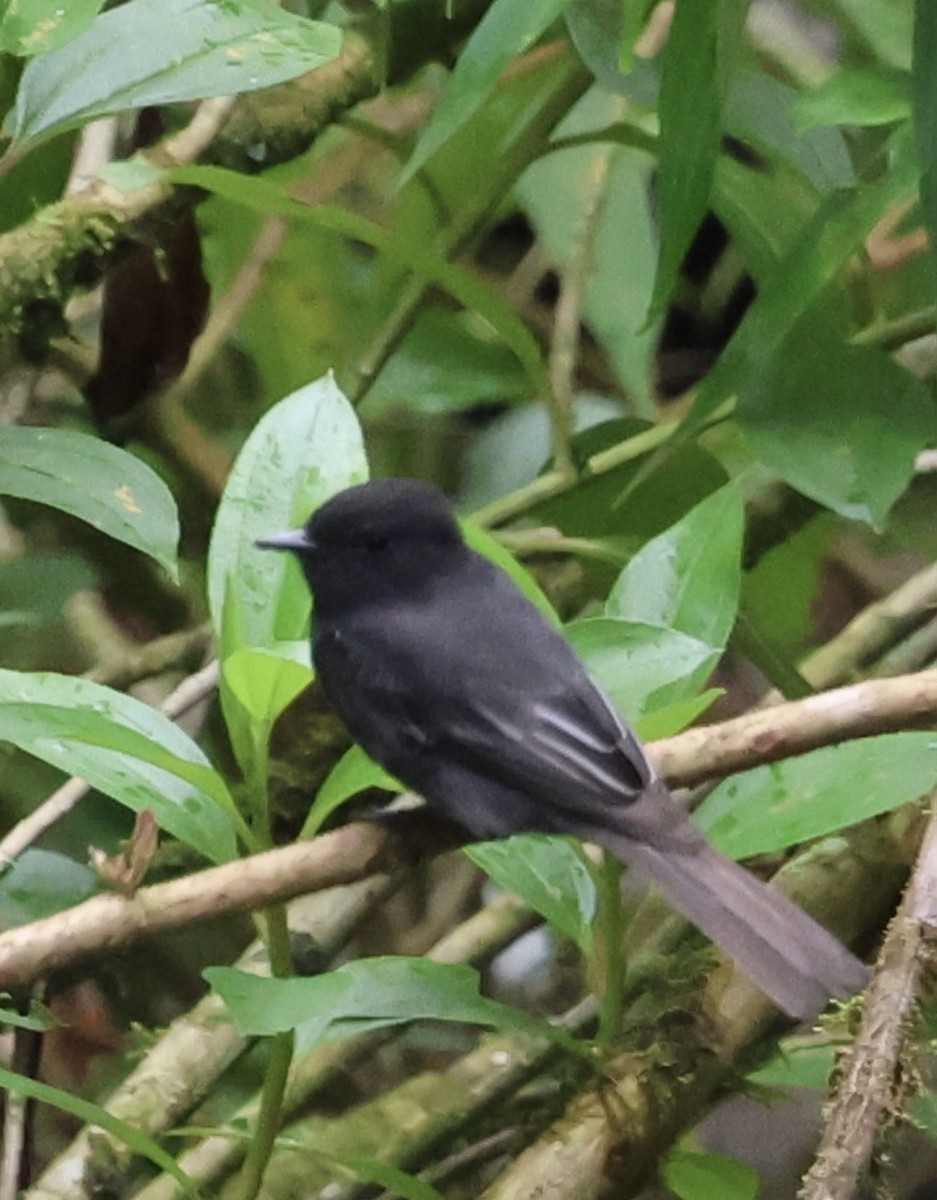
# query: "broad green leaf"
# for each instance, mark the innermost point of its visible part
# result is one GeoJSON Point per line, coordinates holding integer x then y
{"type": "Point", "coordinates": [353, 773]}
{"type": "Point", "coordinates": [687, 579]}
{"type": "Point", "coordinates": [924, 102]}
{"type": "Point", "coordinates": [506, 30]}
{"type": "Point", "coordinates": [841, 423]}
{"type": "Point", "coordinates": [821, 252]}
{"type": "Point", "coordinates": [482, 541]}
{"type": "Point", "coordinates": [302, 451]}
{"type": "Point", "coordinates": [143, 54]}
{"type": "Point", "coordinates": [40, 883]}
{"type": "Point", "coordinates": [640, 667]}
{"type": "Point", "coordinates": [39, 26]}
{"type": "Point", "coordinates": [694, 1175]}
{"type": "Point", "coordinates": [370, 993]}
{"type": "Point", "coordinates": [94, 481]}
{"type": "Point", "coordinates": [786, 803]}
{"type": "Point", "coordinates": [123, 748]}
{"type": "Point", "coordinates": [855, 96]}
{"type": "Point", "coordinates": [549, 874]}
{"type": "Point", "coordinates": [97, 1117]}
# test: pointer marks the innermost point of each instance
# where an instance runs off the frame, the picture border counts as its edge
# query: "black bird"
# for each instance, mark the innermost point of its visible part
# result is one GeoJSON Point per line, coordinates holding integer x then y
{"type": "Point", "coordinates": [451, 679]}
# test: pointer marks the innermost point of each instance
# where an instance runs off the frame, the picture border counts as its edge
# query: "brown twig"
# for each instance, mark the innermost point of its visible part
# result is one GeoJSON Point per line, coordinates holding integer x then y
{"type": "Point", "coordinates": [784, 730]}
{"type": "Point", "coordinates": [873, 1087]}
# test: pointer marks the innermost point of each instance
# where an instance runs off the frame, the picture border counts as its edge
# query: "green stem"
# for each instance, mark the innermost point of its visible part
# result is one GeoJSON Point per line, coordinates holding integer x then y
{"type": "Point", "coordinates": [611, 927]}
{"type": "Point", "coordinates": [893, 334]}
{"type": "Point", "coordinates": [277, 1070]}
{"type": "Point", "coordinates": [554, 483]}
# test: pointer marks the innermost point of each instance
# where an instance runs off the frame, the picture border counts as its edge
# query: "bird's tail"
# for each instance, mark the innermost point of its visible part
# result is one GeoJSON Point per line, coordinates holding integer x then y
{"type": "Point", "coordinates": [789, 956]}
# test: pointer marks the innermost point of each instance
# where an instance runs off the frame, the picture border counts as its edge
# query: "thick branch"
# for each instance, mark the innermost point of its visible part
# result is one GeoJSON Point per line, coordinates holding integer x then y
{"type": "Point", "coordinates": [872, 1089]}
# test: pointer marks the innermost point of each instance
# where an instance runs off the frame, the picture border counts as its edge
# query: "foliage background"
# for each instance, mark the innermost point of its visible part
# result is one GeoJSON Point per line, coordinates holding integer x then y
{"type": "Point", "coordinates": [649, 289]}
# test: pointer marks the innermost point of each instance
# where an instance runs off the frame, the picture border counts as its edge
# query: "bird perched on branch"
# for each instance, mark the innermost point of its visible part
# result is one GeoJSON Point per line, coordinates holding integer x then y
{"type": "Point", "coordinates": [451, 679]}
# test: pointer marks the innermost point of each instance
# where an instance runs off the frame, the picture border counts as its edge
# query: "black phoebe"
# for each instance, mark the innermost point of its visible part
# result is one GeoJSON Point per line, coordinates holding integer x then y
{"type": "Point", "coordinates": [451, 679]}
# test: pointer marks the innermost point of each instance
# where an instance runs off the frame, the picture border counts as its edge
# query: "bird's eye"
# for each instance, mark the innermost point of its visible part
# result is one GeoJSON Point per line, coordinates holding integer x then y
{"type": "Point", "coordinates": [377, 541]}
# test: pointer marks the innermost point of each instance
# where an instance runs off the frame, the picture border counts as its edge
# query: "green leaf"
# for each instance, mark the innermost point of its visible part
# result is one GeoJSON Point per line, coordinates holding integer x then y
{"type": "Point", "coordinates": [266, 681]}
{"type": "Point", "coordinates": [370, 993]}
{"type": "Point", "coordinates": [554, 190]}
{"type": "Point", "coordinates": [823, 249]}
{"type": "Point", "coordinates": [855, 96]}
{"type": "Point", "coordinates": [760, 111]}
{"type": "Point", "coordinates": [798, 1066]}
{"type": "Point", "coordinates": [37, 1018]}
{"type": "Point", "coordinates": [123, 748]}
{"type": "Point", "coordinates": [143, 54]}
{"type": "Point", "coordinates": [883, 25]}
{"type": "Point", "coordinates": [392, 1179]}
{"type": "Point", "coordinates": [640, 667]}
{"type": "Point", "coordinates": [94, 481]}
{"type": "Point", "coordinates": [448, 362]}
{"type": "Point", "coordinates": [549, 874]}
{"type": "Point", "coordinates": [483, 543]}
{"type": "Point", "coordinates": [842, 424]}
{"type": "Point", "coordinates": [924, 103]}
{"type": "Point", "coordinates": [39, 26]}
{"type": "Point", "coordinates": [40, 883]}
{"type": "Point", "coordinates": [507, 29]}
{"type": "Point", "coordinates": [693, 1175]}
{"type": "Point", "coordinates": [671, 718]}
{"type": "Point", "coordinates": [96, 1116]}
{"type": "Point", "coordinates": [353, 773]}
{"type": "Point", "coordinates": [302, 451]}
{"type": "Point", "coordinates": [695, 69]}
{"type": "Point", "coordinates": [415, 254]}
{"type": "Point", "coordinates": [786, 803]}
{"type": "Point", "coordinates": [687, 579]}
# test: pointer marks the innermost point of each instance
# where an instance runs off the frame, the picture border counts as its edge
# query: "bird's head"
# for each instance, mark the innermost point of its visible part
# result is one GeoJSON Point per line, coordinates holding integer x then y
{"type": "Point", "coordinates": [390, 532]}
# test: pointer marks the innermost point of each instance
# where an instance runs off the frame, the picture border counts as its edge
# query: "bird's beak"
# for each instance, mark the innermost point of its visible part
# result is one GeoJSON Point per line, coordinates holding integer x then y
{"type": "Point", "coordinates": [294, 539]}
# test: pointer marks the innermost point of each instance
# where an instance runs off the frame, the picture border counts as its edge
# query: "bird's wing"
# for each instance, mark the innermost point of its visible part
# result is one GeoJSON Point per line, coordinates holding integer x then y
{"type": "Point", "coordinates": [528, 718]}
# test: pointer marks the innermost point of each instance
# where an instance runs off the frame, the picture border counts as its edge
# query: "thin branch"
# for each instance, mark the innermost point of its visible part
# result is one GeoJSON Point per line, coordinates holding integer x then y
{"type": "Point", "coordinates": [873, 630]}
{"type": "Point", "coordinates": [564, 346]}
{"type": "Point", "coordinates": [109, 920]}
{"type": "Point", "coordinates": [784, 730]}
{"type": "Point", "coordinates": [873, 1086]}
{"type": "Point", "coordinates": [348, 854]}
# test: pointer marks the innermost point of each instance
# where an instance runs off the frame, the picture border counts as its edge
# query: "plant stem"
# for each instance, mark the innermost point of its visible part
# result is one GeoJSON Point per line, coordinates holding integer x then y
{"type": "Point", "coordinates": [277, 1070]}
{"type": "Point", "coordinates": [611, 927]}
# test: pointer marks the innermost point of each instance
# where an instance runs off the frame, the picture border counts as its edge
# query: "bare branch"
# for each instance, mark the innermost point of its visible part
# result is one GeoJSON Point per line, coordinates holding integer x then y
{"type": "Point", "coordinates": [871, 1088]}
